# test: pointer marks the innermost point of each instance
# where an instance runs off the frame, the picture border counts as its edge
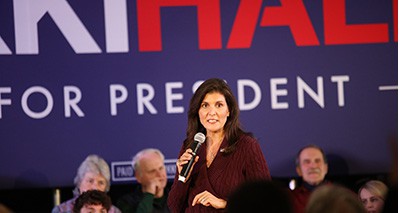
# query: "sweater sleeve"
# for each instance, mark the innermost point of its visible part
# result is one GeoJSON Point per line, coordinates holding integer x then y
{"type": "Point", "coordinates": [177, 197]}
{"type": "Point", "coordinates": [256, 165]}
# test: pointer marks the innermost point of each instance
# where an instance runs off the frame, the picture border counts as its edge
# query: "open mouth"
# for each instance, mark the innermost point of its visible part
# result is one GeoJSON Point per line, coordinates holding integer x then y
{"type": "Point", "coordinates": [212, 121]}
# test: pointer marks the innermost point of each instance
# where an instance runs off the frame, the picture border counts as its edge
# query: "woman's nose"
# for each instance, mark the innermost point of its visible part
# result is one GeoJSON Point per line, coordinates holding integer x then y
{"type": "Point", "coordinates": [212, 111]}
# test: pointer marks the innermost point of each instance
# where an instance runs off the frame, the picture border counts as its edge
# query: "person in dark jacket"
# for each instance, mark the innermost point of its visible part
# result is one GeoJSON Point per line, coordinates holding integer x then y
{"type": "Point", "coordinates": [152, 192]}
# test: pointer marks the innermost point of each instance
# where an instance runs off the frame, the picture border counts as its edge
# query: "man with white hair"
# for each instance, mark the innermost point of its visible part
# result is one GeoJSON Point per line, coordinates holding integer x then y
{"type": "Point", "coordinates": [151, 194]}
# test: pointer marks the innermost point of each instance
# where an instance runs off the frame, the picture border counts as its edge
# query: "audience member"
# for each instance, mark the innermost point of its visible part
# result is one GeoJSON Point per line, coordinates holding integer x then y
{"type": "Point", "coordinates": [372, 195]}
{"type": "Point", "coordinates": [332, 198]}
{"type": "Point", "coordinates": [151, 195]}
{"type": "Point", "coordinates": [93, 173]}
{"type": "Point", "coordinates": [228, 157]}
{"type": "Point", "coordinates": [92, 201]}
{"type": "Point", "coordinates": [4, 209]}
{"type": "Point", "coordinates": [311, 166]}
{"type": "Point", "coordinates": [259, 196]}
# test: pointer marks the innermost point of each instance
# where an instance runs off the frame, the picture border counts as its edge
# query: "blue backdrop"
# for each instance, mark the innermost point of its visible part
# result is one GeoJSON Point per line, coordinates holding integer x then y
{"type": "Point", "coordinates": [112, 77]}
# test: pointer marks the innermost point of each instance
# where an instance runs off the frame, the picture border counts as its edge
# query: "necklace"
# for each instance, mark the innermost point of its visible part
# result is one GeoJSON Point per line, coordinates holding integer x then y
{"type": "Point", "coordinates": [210, 159]}
{"type": "Point", "coordinates": [212, 152]}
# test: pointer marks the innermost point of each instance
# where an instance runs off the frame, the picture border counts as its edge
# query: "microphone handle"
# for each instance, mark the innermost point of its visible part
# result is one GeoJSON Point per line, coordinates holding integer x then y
{"type": "Point", "coordinates": [186, 168]}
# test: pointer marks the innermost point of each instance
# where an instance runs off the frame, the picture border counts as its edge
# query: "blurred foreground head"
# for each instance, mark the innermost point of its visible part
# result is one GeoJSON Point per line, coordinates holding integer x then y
{"type": "Point", "coordinates": [333, 198]}
{"type": "Point", "coordinates": [259, 196]}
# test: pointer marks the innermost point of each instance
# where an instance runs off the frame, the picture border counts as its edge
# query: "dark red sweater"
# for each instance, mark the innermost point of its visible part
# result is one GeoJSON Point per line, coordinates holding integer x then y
{"type": "Point", "coordinates": [225, 173]}
{"type": "Point", "coordinates": [301, 195]}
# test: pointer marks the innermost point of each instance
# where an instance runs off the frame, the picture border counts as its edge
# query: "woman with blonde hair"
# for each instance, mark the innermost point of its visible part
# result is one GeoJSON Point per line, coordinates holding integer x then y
{"type": "Point", "coordinates": [372, 194]}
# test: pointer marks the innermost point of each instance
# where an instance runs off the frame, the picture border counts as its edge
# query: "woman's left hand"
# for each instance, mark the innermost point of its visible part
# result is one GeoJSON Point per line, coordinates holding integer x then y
{"type": "Point", "coordinates": [207, 199]}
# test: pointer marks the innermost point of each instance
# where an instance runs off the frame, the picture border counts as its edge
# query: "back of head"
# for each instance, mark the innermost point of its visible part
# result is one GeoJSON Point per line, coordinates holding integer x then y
{"type": "Point", "coordinates": [259, 196]}
{"type": "Point", "coordinates": [96, 165]}
{"type": "Point", "coordinates": [333, 198]}
{"type": "Point", "coordinates": [4, 209]}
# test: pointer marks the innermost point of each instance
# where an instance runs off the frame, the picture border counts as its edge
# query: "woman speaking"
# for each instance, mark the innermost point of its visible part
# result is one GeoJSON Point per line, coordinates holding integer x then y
{"type": "Point", "coordinates": [229, 156]}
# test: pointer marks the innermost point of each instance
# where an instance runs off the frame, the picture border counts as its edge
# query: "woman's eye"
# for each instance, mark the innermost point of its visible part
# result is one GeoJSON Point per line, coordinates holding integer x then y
{"type": "Point", "coordinates": [374, 199]}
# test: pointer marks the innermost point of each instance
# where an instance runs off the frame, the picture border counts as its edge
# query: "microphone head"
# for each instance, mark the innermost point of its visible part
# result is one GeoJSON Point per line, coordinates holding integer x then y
{"type": "Point", "coordinates": [200, 137]}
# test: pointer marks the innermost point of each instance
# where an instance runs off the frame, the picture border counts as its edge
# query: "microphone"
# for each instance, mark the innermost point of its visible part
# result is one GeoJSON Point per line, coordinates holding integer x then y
{"type": "Point", "coordinates": [199, 139]}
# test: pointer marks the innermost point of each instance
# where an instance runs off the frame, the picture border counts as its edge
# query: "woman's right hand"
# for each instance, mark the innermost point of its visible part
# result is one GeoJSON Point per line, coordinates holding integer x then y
{"type": "Point", "coordinates": [184, 159]}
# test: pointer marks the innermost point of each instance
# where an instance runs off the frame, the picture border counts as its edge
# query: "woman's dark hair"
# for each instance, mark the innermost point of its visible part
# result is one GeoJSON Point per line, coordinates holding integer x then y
{"type": "Point", "coordinates": [232, 126]}
{"type": "Point", "coordinates": [92, 197]}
